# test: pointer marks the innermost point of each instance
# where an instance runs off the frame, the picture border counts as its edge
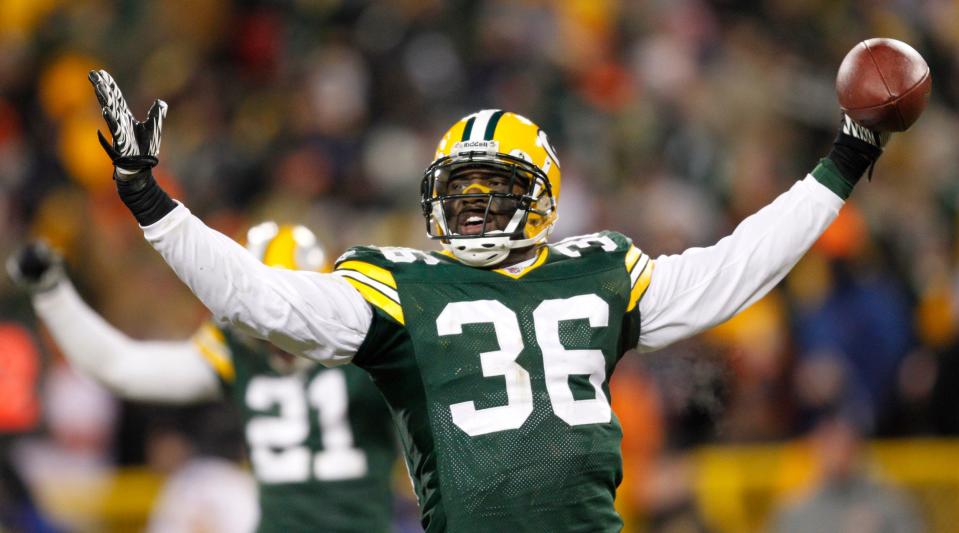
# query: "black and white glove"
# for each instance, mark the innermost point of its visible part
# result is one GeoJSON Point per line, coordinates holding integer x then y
{"type": "Point", "coordinates": [853, 129]}
{"type": "Point", "coordinates": [856, 149]}
{"type": "Point", "coordinates": [36, 267]}
{"type": "Point", "coordinates": [136, 145]}
{"type": "Point", "coordinates": [134, 151]}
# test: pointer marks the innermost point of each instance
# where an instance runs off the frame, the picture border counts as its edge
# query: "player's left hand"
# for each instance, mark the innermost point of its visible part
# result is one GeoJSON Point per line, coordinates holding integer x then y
{"type": "Point", "coordinates": [36, 267]}
{"type": "Point", "coordinates": [136, 145]}
{"type": "Point", "coordinates": [856, 149]}
{"type": "Point", "coordinates": [850, 127]}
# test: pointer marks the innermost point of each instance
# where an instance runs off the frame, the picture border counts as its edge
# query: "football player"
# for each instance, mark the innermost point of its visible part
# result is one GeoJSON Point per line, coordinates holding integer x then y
{"type": "Point", "coordinates": [320, 439]}
{"type": "Point", "coordinates": [495, 353]}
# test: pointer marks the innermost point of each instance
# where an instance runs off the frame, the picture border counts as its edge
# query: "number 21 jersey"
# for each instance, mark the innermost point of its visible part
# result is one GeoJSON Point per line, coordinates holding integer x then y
{"type": "Point", "coordinates": [320, 439]}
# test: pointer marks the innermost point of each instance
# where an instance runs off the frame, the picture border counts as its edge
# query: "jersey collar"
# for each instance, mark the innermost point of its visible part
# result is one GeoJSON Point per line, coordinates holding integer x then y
{"type": "Point", "coordinates": [520, 270]}
{"type": "Point", "coordinates": [514, 271]}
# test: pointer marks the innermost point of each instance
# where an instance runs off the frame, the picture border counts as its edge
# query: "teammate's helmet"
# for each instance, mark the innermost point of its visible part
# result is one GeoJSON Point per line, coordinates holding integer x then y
{"type": "Point", "coordinates": [293, 247]}
{"type": "Point", "coordinates": [511, 146]}
{"type": "Point", "coordinates": [287, 246]}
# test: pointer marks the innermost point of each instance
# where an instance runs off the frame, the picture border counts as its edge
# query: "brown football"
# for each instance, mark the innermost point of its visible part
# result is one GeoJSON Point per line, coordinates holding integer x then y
{"type": "Point", "coordinates": [883, 84]}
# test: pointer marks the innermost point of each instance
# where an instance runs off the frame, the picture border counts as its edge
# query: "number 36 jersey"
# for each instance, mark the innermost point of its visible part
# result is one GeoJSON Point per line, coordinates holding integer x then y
{"type": "Point", "coordinates": [321, 441]}
{"type": "Point", "coordinates": [499, 379]}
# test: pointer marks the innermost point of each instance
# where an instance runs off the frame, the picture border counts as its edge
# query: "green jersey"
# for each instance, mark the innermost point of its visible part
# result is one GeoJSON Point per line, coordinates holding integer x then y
{"type": "Point", "coordinates": [321, 440]}
{"type": "Point", "coordinates": [499, 379]}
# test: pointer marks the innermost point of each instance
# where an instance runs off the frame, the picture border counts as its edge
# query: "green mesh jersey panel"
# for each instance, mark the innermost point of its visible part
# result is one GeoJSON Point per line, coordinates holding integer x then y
{"type": "Point", "coordinates": [499, 382]}
{"type": "Point", "coordinates": [321, 443]}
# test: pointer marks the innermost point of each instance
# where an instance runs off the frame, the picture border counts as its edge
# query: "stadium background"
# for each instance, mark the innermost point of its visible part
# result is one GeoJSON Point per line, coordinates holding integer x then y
{"type": "Point", "coordinates": [673, 121]}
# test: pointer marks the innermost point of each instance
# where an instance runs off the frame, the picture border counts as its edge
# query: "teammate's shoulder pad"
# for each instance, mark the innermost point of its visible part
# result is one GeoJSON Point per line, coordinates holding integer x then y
{"type": "Point", "coordinates": [211, 342]}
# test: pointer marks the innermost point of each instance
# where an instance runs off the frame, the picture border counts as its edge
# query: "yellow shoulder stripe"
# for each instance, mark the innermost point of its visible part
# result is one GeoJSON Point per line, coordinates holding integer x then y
{"type": "Point", "coordinates": [641, 284]}
{"type": "Point", "coordinates": [378, 273]}
{"type": "Point", "coordinates": [212, 345]}
{"type": "Point", "coordinates": [632, 256]}
{"type": "Point", "coordinates": [377, 298]}
{"type": "Point", "coordinates": [375, 284]}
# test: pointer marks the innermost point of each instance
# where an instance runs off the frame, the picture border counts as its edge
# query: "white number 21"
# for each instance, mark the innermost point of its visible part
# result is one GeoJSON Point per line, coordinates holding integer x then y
{"type": "Point", "coordinates": [558, 362]}
{"type": "Point", "coordinates": [279, 450]}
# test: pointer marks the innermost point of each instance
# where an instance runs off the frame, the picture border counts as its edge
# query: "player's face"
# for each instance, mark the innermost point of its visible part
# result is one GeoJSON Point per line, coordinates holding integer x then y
{"type": "Point", "coordinates": [466, 215]}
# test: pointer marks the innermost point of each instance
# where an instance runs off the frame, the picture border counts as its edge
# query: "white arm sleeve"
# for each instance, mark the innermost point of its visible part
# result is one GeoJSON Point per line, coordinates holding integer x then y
{"type": "Point", "coordinates": [702, 287]}
{"type": "Point", "coordinates": [170, 372]}
{"type": "Point", "coordinates": [319, 316]}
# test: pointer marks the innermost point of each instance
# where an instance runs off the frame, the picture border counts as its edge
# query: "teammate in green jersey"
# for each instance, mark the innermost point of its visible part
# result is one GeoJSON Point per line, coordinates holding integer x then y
{"type": "Point", "coordinates": [494, 354]}
{"type": "Point", "coordinates": [320, 439]}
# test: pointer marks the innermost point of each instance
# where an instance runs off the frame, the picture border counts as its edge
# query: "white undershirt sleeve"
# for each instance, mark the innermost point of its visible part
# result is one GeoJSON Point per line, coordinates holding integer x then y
{"type": "Point", "coordinates": [319, 316]}
{"type": "Point", "coordinates": [169, 372]}
{"type": "Point", "coordinates": [702, 287]}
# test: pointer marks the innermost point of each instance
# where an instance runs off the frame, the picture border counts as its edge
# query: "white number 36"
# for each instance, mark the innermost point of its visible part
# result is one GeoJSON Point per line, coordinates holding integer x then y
{"type": "Point", "coordinates": [558, 362]}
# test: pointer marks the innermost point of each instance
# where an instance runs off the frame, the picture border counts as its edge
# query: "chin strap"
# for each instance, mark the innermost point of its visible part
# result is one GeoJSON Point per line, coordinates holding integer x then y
{"type": "Point", "coordinates": [482, 252]}
{"type": "Point", "coordinates": [490, 251]}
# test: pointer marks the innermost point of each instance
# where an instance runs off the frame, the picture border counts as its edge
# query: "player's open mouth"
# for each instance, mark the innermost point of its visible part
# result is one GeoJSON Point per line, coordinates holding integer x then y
{"type": "Point", "coordinates": [473, 225]}
{"type": "Point", "coordinates": [470, 222]}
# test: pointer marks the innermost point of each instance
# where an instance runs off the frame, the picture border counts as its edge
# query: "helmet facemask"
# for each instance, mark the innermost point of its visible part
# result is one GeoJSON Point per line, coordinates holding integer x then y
{"type": "Point", "coordinates": [483, 204]}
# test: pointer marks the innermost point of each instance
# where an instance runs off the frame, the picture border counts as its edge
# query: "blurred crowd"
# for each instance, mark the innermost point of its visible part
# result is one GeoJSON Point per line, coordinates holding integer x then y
{"type": "Point", "coordinates": [673, 121]}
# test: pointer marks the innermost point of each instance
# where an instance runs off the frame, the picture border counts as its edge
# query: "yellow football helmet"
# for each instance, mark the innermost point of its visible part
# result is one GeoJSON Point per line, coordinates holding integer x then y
{"type": "Point", "coordinates": [293, 247]}
{"type": "Point", "coordinates": [510, 146]}
{"type": "Point", "coordinates": [287, 246]}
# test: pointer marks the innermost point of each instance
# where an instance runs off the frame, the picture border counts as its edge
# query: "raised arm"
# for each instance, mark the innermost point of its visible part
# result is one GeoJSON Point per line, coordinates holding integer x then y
{"type": "Point", "coordinates": [316, 315]}
{"type": "Point", "coordinates": [168, 372]}
{"type": "Point", "coordinates": [703, 287]}
{"type": "Point", "coordinates": [319, 316]}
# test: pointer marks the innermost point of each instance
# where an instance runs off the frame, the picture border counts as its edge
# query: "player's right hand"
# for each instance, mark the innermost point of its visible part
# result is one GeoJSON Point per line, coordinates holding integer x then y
{"type": "Point", "coordinates": [35, 267]}
{"type": "Point", "coordinates": [136, 145]}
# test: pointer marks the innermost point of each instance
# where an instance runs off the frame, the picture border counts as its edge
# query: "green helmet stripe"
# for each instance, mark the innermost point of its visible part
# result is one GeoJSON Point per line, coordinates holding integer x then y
{"type": "Point", "coordinates": [491, 125]}
{"type": "Point", "coordinates": [468, 129]}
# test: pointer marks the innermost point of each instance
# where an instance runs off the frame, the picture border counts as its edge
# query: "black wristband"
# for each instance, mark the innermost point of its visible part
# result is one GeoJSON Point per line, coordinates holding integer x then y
{"type": "Point", "coordinates": [853, 156]}
{"type": "Point", "coordinates": [33, 263]}
{"type": "Point", "coordinates": [144, 197]}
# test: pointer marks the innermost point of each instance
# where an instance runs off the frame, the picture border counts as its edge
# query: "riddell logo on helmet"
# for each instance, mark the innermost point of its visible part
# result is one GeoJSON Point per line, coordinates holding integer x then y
{"type": "Point", "coordinates": [490, 147]}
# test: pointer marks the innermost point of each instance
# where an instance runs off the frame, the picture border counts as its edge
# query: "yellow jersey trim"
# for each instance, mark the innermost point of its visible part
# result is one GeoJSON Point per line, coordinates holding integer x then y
{"type": "Point", "coordinates": [632, 256]}
{"type": "Point", "coordinates": [376, 284]}
{"type": "Point", "coordinates": [641, 285]}
{"type": "Point", "coordinates": [377, 298]}
{"type": "Point", "coordinates": [372, 271]}
{"type": "Point", "coordinates": [212, 345]}
{"type": "Point", "coordinates": [543, 255]}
